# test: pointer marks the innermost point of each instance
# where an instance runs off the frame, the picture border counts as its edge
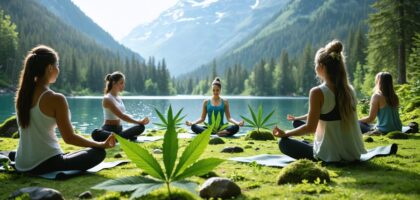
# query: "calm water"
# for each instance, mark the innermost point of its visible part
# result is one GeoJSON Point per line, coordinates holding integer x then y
{"type": "Point", "coordinates": [86, 112]}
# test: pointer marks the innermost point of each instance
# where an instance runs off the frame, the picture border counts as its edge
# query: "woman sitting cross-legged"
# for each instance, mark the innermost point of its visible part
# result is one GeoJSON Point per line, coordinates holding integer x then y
{"type": "Point", "coordinates": [39, 111]}
{"type": "Point", "coordinates": [331, 116]}
{"type": "Point", "coordinates": [216, 105]}
{"type": "Point", "coordinates": [114, 111]}
{"type": "Point", "coordinates": [384, 105]}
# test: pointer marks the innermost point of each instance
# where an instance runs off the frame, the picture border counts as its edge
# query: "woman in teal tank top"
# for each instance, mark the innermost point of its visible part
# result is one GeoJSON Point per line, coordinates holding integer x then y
{"type": "Point", "coordinates": [216, 105]}
{"type": "Point", "coordinates": [384, 105]}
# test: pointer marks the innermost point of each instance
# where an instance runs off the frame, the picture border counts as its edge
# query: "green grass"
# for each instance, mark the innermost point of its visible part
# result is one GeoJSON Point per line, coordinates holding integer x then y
{"type": "Point", "coordinates": [392, 177]}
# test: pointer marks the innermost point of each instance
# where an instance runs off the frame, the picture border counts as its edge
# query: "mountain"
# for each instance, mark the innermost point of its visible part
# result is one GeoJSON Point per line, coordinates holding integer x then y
{"type": "Point", "coordinates": [191, 33]}
{"type": "Point", "coordinates": [68, 12]}
{"type": "Point", "coordinates": [301, 22]}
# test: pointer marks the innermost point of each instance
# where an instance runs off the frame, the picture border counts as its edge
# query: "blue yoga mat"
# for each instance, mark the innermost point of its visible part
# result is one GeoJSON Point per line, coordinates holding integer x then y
{"type": "Point", "coordinates": [277, 160]}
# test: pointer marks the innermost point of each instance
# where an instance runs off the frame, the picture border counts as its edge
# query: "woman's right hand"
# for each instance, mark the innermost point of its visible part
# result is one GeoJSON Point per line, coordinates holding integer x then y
{"type": "Point", "coordinates": [188, 123]}
{"type": "Point", "coordinates": [109, 142]}
{"type": "Point", "coordinates": [290, 117]}
{"type": "Point", "coordinates": [144, 121]}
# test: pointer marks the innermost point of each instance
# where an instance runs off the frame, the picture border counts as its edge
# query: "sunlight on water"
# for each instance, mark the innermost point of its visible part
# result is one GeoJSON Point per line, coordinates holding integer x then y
{"type": "Point", "coordinates": [87, 114]}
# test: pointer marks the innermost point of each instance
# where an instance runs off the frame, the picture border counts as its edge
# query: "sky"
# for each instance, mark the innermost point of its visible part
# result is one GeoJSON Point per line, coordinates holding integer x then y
{"type": "Point", "coordinates": [119, 17]}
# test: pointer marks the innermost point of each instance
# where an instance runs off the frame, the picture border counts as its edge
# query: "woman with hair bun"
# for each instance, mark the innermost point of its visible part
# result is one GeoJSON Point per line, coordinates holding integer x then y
{"type": "Point", "coordinates": [216, 105]}
{"type": "Point", "coordinates": [114, 111]}
{"type": "Point", "coordinates": [40, 111]}
{"type": "Point", "coordinates": [331, 116]}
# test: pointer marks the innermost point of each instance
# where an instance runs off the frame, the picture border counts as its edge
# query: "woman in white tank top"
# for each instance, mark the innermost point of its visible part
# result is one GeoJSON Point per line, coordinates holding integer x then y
{"type": "Point", "coordinates": [331, 116]}
{"type": "Point", "coordinates": [114, 111]}
{"type": "Point", "coordinates": [39, 111]}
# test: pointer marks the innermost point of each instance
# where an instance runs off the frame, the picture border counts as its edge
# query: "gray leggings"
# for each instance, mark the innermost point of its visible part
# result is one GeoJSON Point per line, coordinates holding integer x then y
{"type": "Point", "coordinates": [296, 149]}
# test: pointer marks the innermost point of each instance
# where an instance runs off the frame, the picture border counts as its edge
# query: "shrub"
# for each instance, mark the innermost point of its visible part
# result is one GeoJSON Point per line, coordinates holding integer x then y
{"type": "Point", "coordinates": [261, 135]}
{"type": "Point", "coordinates": [303, 171]}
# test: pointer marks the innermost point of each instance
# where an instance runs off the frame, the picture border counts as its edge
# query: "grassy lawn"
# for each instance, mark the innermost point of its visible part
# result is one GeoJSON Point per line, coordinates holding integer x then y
{"type": "Point", "coordinates": [392, 177]}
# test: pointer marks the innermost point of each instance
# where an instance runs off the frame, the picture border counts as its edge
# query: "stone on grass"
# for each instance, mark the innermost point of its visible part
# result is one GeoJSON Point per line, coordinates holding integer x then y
{"type": "Point", "coordinates": [157, 151]}
{"type": "Point", "coordinates": [232, 150]}
{"type": "Point", "coordinates": [261, 135]}
{"type": "Point", "coordinates": [37, 193]}
{"type": "Point", "coordinates": [397, 135]}
{"type": "Point", "coordinates": [117, 155]}
{"type": "Point", "coordinates": [216, 140]}
{"type": "Point", "coordinates": [86, 195]}
{"type": "Point", "coordinates": [368, 139]}
{"type": "Point", "coordinates": [301, 170]}
{"type": "Point", "coordinates": [219, 188]}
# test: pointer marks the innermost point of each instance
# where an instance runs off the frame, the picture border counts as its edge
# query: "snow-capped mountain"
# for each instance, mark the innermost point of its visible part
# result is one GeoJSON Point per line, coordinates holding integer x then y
{"type": "Point", "coordinates": [191, 33]}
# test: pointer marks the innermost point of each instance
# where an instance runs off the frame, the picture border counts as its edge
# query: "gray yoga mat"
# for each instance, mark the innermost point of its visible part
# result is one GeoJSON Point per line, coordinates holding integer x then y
{"type": "Point", "coordinates": [277, 160]}
{"type": "Point", "coordinates": [56, 175]}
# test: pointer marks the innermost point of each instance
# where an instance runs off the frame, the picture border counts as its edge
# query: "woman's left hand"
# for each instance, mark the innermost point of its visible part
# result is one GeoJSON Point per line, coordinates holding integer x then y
{"type": "Point", "coordinates": [241, 123]}
{"type": "Point", "coordinates": [277, 132]}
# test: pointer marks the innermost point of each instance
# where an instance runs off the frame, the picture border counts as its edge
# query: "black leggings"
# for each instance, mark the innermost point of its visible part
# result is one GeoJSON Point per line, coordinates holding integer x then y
{"type": "Point", "coordinates": [130, 133]}
{"type": "Point", "coordinates": [79, 160]}
{"type": "Point", "coordinates": [295, 148]}
{"type": "Point", "coordinates": [232, 129]}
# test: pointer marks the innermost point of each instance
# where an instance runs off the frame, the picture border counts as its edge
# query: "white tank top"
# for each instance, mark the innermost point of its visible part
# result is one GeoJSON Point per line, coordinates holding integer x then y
{"type": "Point", "coordinates": [108, 114]}
{"type": "Point", "coordinates": [333, 142]}
{"type": "Point", "coordinates": [38, 142]}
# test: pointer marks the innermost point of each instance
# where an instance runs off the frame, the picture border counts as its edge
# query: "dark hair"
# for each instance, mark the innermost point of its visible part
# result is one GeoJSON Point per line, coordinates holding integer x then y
{"type": "Point", "coordinates": [332, 57]}
{"type": "Point", "coordinates": [217, 82]}
{"type": "Point", "coordinates": [34, 68]}
{"type": "Point", "coordinates": [110, 79]}
{"type": "Point", "coordinates": [385, 86]}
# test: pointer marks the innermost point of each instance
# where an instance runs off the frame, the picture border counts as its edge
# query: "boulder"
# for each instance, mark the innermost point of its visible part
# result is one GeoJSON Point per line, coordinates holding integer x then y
{"type": "Point", "coordinates": [37, 193]}
{"type": "Point", "coordinates": [232, 150]}
{"type": "Point", "coordinates": [9, 128]}
{"type": "Point", "coordinates": [217, 187]}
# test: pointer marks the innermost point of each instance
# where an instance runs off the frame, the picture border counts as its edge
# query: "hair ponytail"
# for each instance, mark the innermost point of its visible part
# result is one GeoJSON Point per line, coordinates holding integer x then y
{"type": "Point", "coordinates": [110, 79]}
{"type": "Point", "coordinates": [217, 82]}
{"type": "Point", "coordinates": [34, 67]}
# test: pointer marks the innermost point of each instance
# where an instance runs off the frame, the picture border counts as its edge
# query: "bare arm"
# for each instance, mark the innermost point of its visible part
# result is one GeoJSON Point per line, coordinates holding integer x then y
{"type": "Point", "coordinates": [61, 114]}
{"type": "Point", "coordinates": [374, 108]}
{"type": "Point", "coordinates": [230, 119]}
{"type": "Point", "coordinates": [302, 117]}
{"type": "Point", "coordinates": [203, 115]}
{"type": "Point", "coordinates": [316, 99]}
{"type": "Point", "coordinates": [107, 103]}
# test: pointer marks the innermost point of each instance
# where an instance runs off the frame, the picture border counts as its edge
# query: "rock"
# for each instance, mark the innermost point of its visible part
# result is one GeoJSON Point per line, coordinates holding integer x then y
{"type": "Point", "coordinates": [397, 135]}
{"type": "Point", "coordinates": [219, 188]}
{"type": "Point", "coordinates": [216, 140]}
{"type": "Point", "coordinates": [157, 151]}
{"type": "Point", "coordinates": [301, 170]}
{"type": "Point", "coordinates": [247, 147]}
{"type": "Point", "coordinates": [85, 195]}
{"type": "Point", "coordinates": [9, 128]}
{"type": "Point", "coordinates": [261, 135]}
{"type": "Point", "coordinates": [38, 193]}
{"type": "Point", "coordinates": [251, 142]}
{"type": "Point", "coordinates": [368, 139]}
{"type": "Point", "coordinates": [232, 150]}
{"type": "Point", "coordinates": [256, 149]}
{"type": "Point", "coordinates": [117, 155]}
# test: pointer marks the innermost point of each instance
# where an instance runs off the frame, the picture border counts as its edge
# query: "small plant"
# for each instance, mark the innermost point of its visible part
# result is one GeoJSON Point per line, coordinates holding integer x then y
{"type": "Point", "coordinates": [305, 171]}
{"type": "Point", "coordinates": [177, 119]}
{"type": "Point", "coordinates": [174, 173]}
{"type": "Point", "coordinates": [258, 121]}
{"type": "Point", "coordinates": [216, 123]}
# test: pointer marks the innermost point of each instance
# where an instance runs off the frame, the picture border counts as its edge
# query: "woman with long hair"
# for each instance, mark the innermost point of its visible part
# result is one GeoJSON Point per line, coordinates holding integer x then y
{"type": "Point", "coordinates": [39, 111]}
{"type": "Point", "coordinates": [217, 106]}
{"type": "Point", "coordinates": [384, 105]}
{"type": "Point", "coordinates": [114, 111]}
{"type": "Point", "coordinates": [331, 116]}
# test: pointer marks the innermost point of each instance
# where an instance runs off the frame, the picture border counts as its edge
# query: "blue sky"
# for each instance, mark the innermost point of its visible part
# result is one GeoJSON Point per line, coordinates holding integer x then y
{"type": "Point", "coordinates": [119, 17]}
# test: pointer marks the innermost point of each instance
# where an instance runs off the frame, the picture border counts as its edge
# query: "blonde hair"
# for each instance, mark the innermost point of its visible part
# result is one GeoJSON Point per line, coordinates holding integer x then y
{"type": "Point", "coordinates": [332, 57]}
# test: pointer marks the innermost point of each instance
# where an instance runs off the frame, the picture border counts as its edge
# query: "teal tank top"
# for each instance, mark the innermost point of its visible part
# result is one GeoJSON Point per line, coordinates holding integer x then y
{"type": "Point", "coordinates": [216, 109]}
{"type": "Point", "coordinates": [388, 119]}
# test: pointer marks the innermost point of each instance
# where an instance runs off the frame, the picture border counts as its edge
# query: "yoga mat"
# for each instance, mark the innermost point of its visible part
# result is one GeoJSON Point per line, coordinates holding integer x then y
{"type": "Point", "coordinates": [277, 160]}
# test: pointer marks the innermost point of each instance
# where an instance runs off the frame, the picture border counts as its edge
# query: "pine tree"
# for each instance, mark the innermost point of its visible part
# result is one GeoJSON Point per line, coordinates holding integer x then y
{"type": "Point", "coordinates": [308, 79]}
{"type": "Point", "coordinates": [8, 44]}
{"type": "Point", "coordinates": [414, 61]}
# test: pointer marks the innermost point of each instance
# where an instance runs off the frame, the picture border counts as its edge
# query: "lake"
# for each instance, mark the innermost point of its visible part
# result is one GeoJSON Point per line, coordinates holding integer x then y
{"type": "Point", "coordinates": [86, 111]}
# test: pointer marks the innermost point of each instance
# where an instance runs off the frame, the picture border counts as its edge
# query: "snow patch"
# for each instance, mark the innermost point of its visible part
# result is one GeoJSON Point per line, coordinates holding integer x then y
{"type": "Point", "coordinates": [219, 17]}
{"type": "Point", "coordinates": [203, 4]}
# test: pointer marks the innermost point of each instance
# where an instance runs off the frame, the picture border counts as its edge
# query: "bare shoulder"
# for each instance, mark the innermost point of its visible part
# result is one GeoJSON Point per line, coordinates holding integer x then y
{"type": "Point", "coordinates": [315, 91]}
{"type": "Point", "coordinates": [225, 101]}
{"type": "Point", "coordinates": [55, 99]}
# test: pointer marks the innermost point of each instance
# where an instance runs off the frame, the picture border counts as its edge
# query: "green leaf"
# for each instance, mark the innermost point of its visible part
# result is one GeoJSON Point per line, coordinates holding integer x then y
{"type": "Point", "coordinates": [199, 168]}
{"type": "Point", "coordinates": [186, 185]}
{"type": "Point", "coordinates": [260, 112]}
{"type": "Point", "coordinates": [193, 151]}
{"type": "Point", "coordinates": [127, 184]}
{"type": "Point", "coordinates": [162, 118]}
{"type": "Point", "coordinates": [267, 118]}
{"type": "Point", "coordinates": [161, 125]}
{"type": "Point", "coordinates": [141, 157]}
{"type": "Point", "coordinates": [253, 116]}
{"type": "Point", "coordinates": [224, 126]}
{"type": "Point", "coordinates": [248, 121]}
{"type": "Point", "coordinates": [170, 145]}
{"type": "Point", "coordinates": [179, 113]}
